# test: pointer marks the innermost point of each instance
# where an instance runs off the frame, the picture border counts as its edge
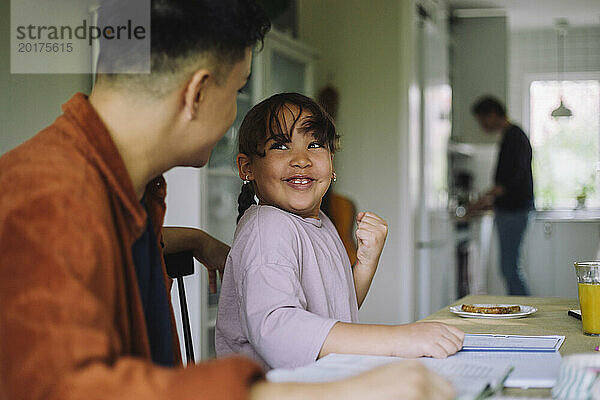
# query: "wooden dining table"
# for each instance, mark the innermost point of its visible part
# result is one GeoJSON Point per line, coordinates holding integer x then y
{"type": "Point", "coordinates": [551, 319]}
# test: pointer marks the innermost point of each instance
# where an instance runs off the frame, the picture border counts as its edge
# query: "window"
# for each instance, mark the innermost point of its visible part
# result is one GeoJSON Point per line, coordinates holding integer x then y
{"type": "Point", "coordinates": [566, 151]}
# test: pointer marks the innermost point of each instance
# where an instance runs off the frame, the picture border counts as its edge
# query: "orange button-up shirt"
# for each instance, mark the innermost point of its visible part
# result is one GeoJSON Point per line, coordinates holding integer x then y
{"type": "Point", "coordinates": [71, 319]}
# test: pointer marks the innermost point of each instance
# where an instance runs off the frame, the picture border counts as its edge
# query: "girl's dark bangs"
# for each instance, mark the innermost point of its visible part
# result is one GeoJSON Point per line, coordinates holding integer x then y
{"type": "Point", "coordinates": [267, 121]}
{"type": "Point", "coordinates": [277, 128]}
{"type": "Point", "coordinates": [317, 123]}
{"type": "Point", "coordinates": [320, 129]}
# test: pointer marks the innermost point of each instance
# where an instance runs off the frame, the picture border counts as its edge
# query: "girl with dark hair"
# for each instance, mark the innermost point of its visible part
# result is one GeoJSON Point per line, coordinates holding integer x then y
{"type": "Point", "coordinates": [265, 123]}
{"type": "Point", "coordinates": [289, 293]}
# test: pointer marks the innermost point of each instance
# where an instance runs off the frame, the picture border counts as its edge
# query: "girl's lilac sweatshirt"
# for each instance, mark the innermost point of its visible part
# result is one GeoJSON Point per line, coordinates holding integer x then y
{"type": "Point", "coordinates": [287, 281]}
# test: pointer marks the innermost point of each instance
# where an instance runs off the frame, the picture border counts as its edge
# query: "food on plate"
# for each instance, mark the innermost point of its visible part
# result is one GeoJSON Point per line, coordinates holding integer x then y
{"type": "Point", "coordinates": [490, 309]}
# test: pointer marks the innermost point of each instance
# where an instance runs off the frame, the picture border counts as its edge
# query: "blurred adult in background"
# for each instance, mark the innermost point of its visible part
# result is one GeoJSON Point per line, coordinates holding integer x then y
{"type": "Point", "coordinates": [512, 194]}
{"type": "Point", "coordinates": [341, 210]}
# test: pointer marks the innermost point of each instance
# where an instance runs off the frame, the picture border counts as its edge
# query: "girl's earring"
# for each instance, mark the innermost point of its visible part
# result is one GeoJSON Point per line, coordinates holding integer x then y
{"type": "Point", "coordinates": [246, 180]}
{"type": "Point", "coordinates": [334, 177]}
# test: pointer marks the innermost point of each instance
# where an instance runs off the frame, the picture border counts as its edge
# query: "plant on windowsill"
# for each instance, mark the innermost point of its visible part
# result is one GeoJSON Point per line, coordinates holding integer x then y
{"type": "Point", "coordinates": [586, 190]}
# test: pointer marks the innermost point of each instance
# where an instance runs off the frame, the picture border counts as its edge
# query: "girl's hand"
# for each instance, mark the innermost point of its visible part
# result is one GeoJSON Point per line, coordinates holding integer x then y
{"type": "Point", "coordinates": [371, 234]}
{"type": "Point", "coordinates": [428, 339]}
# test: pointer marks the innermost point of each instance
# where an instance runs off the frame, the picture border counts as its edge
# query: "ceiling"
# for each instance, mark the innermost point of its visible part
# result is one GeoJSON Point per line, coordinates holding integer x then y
{"type": "Point", "coordinates": [532, 14]}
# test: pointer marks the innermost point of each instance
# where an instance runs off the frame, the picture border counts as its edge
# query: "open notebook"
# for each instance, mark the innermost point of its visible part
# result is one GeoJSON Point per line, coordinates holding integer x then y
{"type": "Point", "coordinates": [488, 361]}
{"type": "Point", "coordinates": [470, 379]}
{"type": "Point", "coordinates": [514, 343]}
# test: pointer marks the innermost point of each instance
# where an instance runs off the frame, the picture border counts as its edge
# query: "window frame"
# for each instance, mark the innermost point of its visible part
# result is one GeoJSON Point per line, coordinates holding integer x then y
{"type": "Point", "coordinates": [551, 76]}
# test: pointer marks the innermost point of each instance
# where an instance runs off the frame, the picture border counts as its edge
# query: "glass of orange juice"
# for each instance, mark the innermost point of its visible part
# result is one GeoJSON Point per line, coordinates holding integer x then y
{"type": "Point", "coordinates": [588, 282]}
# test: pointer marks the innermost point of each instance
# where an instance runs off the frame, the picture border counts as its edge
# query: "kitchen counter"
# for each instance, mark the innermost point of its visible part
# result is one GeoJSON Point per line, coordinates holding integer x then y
{"type": "Point", "coordinates": [554, 240]}
{"type": "Point", "coordinates": [583, 215]}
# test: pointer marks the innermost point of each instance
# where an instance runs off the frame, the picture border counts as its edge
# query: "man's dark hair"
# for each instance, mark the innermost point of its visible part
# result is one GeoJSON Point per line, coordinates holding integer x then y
{"type": "Point", "coordinates": [187, 35]}
{"type": "Point", "coordinates": [488, 105]}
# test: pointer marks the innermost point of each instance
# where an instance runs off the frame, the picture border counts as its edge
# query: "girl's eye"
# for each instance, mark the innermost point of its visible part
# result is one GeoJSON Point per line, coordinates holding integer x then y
{"type": "Point", "coordinates": [279, 146]}
{"type": "Point", "coordinates": [315, 145]}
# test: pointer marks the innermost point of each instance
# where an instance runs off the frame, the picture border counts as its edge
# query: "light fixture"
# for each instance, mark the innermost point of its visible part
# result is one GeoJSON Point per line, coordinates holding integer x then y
{"type": "Point", "coordinates": [561, 111]}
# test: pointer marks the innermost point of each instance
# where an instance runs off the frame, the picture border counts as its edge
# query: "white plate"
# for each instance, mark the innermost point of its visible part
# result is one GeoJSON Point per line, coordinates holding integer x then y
{"type": "Point", "coordinates": [525, 311]}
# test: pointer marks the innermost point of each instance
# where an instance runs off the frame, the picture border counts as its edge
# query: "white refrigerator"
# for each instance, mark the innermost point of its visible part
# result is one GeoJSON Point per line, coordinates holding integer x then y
{"type": "Point", "coordinates": [434, 243]}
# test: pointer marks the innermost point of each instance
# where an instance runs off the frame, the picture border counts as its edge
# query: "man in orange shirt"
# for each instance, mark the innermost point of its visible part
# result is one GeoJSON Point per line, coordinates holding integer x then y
{"type": "Point", "coordinates": [84, 294]}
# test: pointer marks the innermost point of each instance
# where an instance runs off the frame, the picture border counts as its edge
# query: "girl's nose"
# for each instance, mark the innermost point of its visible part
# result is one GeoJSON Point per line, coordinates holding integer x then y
{"type": "Point", "coordinates": [300, 159]}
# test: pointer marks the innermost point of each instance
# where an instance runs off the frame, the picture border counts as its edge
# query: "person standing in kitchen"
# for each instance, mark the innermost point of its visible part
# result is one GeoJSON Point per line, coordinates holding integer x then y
{"type": "Point", "coordinates": [512, 194]}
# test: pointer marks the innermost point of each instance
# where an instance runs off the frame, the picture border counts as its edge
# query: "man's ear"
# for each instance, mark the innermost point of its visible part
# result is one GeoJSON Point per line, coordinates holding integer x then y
{"type": "Point", "coordinates": [244, 169]}
{"type": "Point", "coordinates": [195, 92]}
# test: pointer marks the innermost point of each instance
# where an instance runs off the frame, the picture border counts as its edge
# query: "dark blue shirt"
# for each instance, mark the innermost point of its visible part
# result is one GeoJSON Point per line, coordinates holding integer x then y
{"type": "Point", "coordinates": [513, 171]}
{"type": "Point", "coordinates": [153, 292]}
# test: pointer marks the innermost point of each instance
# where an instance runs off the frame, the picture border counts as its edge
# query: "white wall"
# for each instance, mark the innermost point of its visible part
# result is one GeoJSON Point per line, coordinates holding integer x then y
{"type": "Point", "coordinates": [366, 52]}
{"type": "Point", "coordinates": [30, 102]}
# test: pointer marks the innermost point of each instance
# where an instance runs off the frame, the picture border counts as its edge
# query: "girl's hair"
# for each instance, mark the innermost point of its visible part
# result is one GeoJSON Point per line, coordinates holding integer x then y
{"type": "Point", "coordinates": [266, 121]}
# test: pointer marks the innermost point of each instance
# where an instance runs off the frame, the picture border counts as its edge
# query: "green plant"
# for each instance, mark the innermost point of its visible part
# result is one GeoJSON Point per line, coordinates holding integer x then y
{"type": "Point", "coordinates": [586, 189]}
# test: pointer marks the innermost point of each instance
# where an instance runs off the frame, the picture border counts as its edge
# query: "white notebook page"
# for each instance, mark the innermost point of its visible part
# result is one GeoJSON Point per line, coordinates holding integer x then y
{"type": "Point", "coordinates": [469, 378]}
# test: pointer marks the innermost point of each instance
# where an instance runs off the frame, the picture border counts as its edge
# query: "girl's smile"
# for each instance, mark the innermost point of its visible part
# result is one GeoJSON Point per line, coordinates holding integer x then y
{"type": "Point", "coordinates": [300, 182]}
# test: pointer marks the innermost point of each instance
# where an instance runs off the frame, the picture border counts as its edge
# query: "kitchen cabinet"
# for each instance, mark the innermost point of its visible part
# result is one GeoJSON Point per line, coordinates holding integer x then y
{"type": "Point", "coordinates": [207, 198]}
{"type": "Point", "coordinates": [552, 247]}
{"type": "Point", "coordinates": [479, 67]}
{"type": "Point", "coordinates": [537, 257]}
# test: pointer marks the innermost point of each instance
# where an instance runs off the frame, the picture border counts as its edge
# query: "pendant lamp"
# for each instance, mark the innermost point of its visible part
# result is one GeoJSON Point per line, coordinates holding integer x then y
{"type": "Point", "coordinates": [561, 111]}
